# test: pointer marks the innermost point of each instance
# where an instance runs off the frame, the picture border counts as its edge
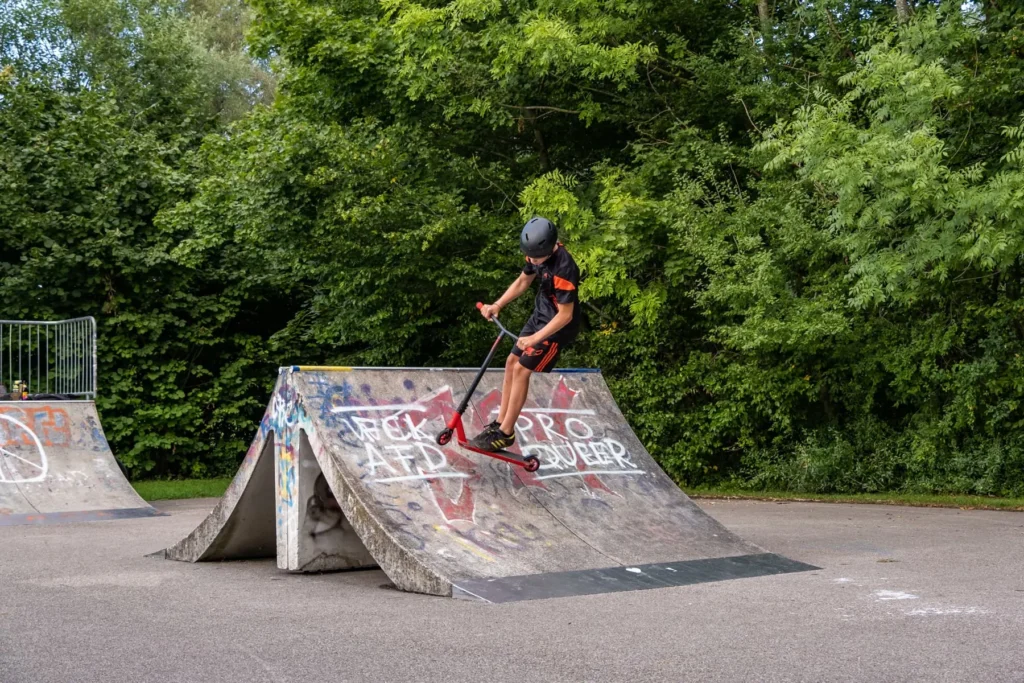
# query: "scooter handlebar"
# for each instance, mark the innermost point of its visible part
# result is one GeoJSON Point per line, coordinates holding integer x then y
{"type": "Point", "coordinates": [494, 319]}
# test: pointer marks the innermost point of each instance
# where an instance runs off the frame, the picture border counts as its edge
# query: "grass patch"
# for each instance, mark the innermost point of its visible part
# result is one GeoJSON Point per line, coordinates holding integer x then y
{"type": "Point", "coordinates": [181, 488]}
{"type": "Point", "coordinates": [909, 499]}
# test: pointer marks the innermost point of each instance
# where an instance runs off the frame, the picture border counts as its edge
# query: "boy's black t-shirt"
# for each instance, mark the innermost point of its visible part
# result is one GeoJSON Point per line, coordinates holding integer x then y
{"type": "Point", "coordinates": [558, 282]}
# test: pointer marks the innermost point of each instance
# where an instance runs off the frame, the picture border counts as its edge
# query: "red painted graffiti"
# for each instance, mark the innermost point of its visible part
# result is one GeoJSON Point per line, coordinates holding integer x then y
{"type": "Point", "coordinates": [458, 508]}
{"type": "Point", "coordinates": [562, 398]}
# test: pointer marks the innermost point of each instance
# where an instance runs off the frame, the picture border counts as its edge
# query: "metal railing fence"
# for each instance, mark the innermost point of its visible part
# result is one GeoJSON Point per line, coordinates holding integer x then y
{"type": "Point", "coordinates": [39, 357]}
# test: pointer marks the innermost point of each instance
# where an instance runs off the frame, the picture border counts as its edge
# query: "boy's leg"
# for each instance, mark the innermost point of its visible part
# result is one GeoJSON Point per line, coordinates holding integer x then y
{"type": "Point", "coordinates": [511, 363]}
{"type": "Point", "coordinates": [541, 358]}
{"type": "Point", "coordinates": [516, 386]}
{"type": "Point", "coordinates": [484, 437]}
{"type": "Point", "coordinates": [516, 397]}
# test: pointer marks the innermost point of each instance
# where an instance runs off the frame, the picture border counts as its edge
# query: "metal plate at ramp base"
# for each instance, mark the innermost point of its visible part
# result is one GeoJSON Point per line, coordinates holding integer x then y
{"type": "Point", "coordinates": [79, 516]}
{"type": "Point", "coordinates": [617, 579]}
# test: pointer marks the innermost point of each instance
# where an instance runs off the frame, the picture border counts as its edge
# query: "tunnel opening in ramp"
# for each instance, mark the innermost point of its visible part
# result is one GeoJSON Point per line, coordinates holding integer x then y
{"type": "Point", "coordinates": [257, 519]}
{"type": "Point", "coordinates": [359, 481]}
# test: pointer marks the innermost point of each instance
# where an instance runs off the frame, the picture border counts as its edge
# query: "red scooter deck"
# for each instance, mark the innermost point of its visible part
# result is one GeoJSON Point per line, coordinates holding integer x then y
{"type": "Point", "coordinates": [530, 463]}
{"type": "Point", "coordinates": [455, 428]}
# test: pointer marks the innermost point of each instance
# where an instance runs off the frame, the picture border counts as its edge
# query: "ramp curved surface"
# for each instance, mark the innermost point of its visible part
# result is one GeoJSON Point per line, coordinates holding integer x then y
{"type": "Point", "coordinates": [56, 466]}
{"type": "Point", "coordinates": [358, 480]}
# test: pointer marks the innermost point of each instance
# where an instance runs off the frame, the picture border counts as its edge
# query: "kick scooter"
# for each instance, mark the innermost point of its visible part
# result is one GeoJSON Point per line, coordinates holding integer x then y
{"type": "Point", "coordinates": [530, 463]}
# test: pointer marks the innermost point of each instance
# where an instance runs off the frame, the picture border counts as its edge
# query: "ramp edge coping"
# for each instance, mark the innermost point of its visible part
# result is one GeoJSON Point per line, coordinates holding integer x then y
{"type": "Point", "coordinates": [626, 578]}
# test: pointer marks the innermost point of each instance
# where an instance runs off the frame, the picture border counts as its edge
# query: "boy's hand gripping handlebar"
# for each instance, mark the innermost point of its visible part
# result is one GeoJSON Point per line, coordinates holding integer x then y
{"type": "Point", "coordinates": [494, 319]}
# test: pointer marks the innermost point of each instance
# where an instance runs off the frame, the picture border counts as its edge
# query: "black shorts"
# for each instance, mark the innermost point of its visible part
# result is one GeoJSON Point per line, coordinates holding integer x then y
{"type": "Point", "coordinates": [544, 356]}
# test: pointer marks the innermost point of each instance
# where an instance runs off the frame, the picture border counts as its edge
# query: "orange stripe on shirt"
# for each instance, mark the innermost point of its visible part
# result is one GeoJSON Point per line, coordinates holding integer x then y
{"type": "Point", "coordinates": [562, 283]}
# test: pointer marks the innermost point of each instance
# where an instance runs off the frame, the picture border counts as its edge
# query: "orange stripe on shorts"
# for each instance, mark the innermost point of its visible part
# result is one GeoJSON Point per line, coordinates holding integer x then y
{"type": "Point", "coordinates": [548, 357]}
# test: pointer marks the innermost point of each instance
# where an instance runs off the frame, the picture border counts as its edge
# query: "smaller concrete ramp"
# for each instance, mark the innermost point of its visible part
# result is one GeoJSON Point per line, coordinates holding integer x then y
{"type": "Point", "coordinates": [56, 466]}
{"type": "Point", "coordinates": [345, 473]}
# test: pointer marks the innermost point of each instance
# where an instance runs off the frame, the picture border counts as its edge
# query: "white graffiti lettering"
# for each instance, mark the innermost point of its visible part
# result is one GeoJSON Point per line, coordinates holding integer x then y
{"type": "Point", "coordinates": [405, 460]}
{"type": "Point", "coordinates": [12, 464]}
{"type": "Point", "coordinates": [403, 453]}
{"type": "Point", "coordinates": [584, 430]}
{"type": "Point", "coordinates": [375, 459]}
{"type": "Point", "coordinates": [399, 447]}
{"type": "Point", "coordinates": [619, 453]}
{"type": "Point", "coordinates": [416, 432]}
{"type": "Point", "coordinates": [547, 425]}
{"type": "Point", "coordinates": [596, 453]}
{"type": "Point", "coordinates": [366, 429]}
{"type": "Point", "coordinates": [392, 429]}
{"type": "Point", "coordinates": [428, 449]}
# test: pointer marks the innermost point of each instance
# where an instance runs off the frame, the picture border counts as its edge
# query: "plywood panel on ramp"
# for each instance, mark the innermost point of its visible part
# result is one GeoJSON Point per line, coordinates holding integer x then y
{"type": "Point", "coordinates": [359, 480]}
{"type": "Point", "coordinates": [56, 466]}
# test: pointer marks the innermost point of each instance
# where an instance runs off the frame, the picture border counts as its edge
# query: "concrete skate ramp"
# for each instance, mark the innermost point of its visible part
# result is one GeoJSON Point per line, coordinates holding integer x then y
{"type": "Point", "coordinates": [357, 480]}
{"type": "Point", "coordinates": [56, 466]}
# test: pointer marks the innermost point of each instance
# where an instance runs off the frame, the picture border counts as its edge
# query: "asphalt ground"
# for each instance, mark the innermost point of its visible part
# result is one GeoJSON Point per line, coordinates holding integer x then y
{"type": "Point", "coordinates": [903, 594]}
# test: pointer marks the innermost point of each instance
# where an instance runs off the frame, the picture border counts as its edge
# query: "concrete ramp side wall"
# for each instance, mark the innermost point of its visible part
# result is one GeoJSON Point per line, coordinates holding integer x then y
{"type": "Point", "coordinates": [384, 534]}
{"type": "Point", "coordinates": [327, 540]}
{"type": "Point", "coordinates": [313, 533]}
{"type": "Point", "coordinates": [242, 524]}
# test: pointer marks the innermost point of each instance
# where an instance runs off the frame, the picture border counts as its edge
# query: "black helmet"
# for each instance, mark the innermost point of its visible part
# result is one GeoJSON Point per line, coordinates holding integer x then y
{"type": "Point", "coordinates": [539, 237]}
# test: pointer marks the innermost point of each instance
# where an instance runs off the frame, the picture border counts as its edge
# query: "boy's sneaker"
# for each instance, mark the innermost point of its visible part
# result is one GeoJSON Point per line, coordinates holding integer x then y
{"type": "Point", "coordinates": [494, 426]}
{"type": "Point", "coordinates": [493, 439]}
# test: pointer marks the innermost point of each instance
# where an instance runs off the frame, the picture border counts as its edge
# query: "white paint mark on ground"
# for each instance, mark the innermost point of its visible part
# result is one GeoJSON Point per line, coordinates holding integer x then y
{"type": "Point", "coordinates": [939, 611]}
{"type": "Point", "coordinates": [894, 595]}
{"type": "Point", "coordinates": [633, 570]}
{"type": "Point", "coordinates": [842, 580]}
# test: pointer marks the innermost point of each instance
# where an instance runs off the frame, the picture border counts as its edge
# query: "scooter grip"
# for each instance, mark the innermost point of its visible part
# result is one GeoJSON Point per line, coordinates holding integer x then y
{"type": "Point", "coordinates": [479, 305]}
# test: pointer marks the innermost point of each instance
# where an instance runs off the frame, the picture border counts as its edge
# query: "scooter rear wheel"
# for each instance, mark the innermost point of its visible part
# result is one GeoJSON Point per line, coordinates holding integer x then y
{"type": "Point", "coordinates": [532, 463]}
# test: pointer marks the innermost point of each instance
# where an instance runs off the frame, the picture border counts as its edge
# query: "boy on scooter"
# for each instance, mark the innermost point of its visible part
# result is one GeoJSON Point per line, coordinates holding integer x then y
{"type": "Point", "coordinates": [554, 324]}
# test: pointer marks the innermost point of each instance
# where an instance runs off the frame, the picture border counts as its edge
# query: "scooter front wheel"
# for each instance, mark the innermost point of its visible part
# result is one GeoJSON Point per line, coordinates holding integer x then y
{"type": "Point", "coordinates": [445, 437]}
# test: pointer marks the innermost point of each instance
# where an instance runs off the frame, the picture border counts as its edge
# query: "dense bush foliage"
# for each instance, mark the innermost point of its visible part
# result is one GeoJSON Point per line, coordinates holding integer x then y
{"type": "Point", "coordinates": [800, 223]}
{"type": "Point", "coordinates": [100, 105]}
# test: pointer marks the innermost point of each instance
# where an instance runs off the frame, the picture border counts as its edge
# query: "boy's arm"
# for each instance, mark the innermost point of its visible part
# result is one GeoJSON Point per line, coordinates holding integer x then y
{"type": "Point", "coordinates": [520, 285]}
{"type": "Point", "coordinates": [561, 319]}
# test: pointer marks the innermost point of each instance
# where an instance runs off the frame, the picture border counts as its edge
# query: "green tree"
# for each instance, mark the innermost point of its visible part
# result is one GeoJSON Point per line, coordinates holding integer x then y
{"type": "Point", "coordinates": [101, 104]}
